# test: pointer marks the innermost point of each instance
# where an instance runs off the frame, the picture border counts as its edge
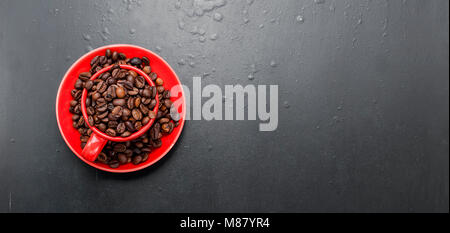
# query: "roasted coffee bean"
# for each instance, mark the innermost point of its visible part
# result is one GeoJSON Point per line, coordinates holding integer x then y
{"type": "Point", "coordinates": [126, 112]}
{"type": "Point", "coordinates": [79, 84]}
{"type": "Point", "coordinates": [103, 60]}
{"type": "Point", "coordinates": [103, 115]}
{"type": "Point", "coordinates": [152, 104]}
{"type": "Point", "coordinates": [133, 92]}
{"type": "Point", "coordinates": [122, 56]}
{"type": "Point", "coordinates": [119, 102]}
{"type": "Point", "coordinates": [111, 132]}
{"type": "Point", "coordinates": [117, 111]}
{"type": "Point", "coordinates": [96, 96]}
{"type": "Point", "coordinates": [113, 124]}
{"type": "Point", "coordinates": [147, 92]}
{"type": "Point", "coordinates": [85, 76]}
{"type": "Point", "coordinates": [126, 134]}
{"type": "Point", "coordinates": [102, 86]}
{"type": "Point", "coordinates": [156, 143]}
{"type": "Point", "coordinates": [130, 126]}
{"type": "Point", "coordinates": [122, 158]}
{"type": "Point", "coordinates": [144, 109]}
{"type": "Point", "coordinates": [146, 61]}
{"type": "Point", "coordinates": [73, 103]}
{"type": "Point", "coordinates": [121, 128]}
{"type": "Point", "coordinates": [135, 61]}
{"type": "Point", "coordinates": [147, 69]}
{"type": "Point", "coordinates": [139, 82]}
{"type": "Point", "coordinates": [137, 102]}
{"type": "Point", "coordinates": [160, 89]}
{"type": "Point", "coordinates": [119, 147]}
{"type": "Point", "coordinates": [114, 164]}
{"type": "Point", "coordinates": [168, 103]}
{"type": "Point", "coordinates": [137, 159]}
{"type": "Point", "coordinates": [102, 157]}
{"type": "Point", "coordinates": [102, 108]}
{"type": "Point", "coordinates": [102, 127]}
{"type": "Point", "coordinates": [130, 103]}
{"type": "Point", "coordinates": [114, 56]}
{"type": "Point", "coordinates": [151, 114]}
{"type": "Point", "coordinates": [153, 76]}
{"type": "Point", "coordinates": [108, 53]}
{"type": "Point", "coordinates": [159, 82]}
{"type": "Point", "coordinates": [91, 120]}
{"type": "Point", "coordinates": [120, 92]}
{"type": "Point", "coordinates": [137, 114]}
{"type": "Point", "coordinates": [145, 120]}
{"type": "Point", "coordinates": [90, 110]}
{"type": "Point", "coordinates": [163, 120]}
{"type": "Point", "coordinates": [138, 125]}
{"type": "Point", "coordinates": [75, 117]}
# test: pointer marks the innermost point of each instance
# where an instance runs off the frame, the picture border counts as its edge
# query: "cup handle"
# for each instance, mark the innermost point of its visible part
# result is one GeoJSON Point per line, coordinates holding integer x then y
{"type": "Point", "coordinates": [93, 147]}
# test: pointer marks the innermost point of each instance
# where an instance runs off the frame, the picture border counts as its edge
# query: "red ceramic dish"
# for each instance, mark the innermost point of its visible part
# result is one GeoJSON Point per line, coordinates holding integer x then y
{"type": "Point", "coordinates": [159, 66]}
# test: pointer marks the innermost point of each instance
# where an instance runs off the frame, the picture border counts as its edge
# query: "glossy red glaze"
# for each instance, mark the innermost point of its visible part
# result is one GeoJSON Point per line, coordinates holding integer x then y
{"type": "Point", "coordinates": [159, 66]}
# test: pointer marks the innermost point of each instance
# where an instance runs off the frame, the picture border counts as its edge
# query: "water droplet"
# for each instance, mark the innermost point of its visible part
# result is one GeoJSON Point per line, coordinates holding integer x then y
{"type": "Point", "coordinates": [87, 37]}
{"type": "Point", "coordinates": [246, 20]}
{"type": "Point", "coordinates": [181, 24]}
{"type": "Point", "coordinates": [202, 39]}
{"type": "Point", "coordinates": [158, 49]}
{"type": "Point", "coordinates": [210, 148]}
{"type": "Point", "coordinates": [251, 76]}
{"type": "Point", "coordinates": [181, 62]}
{"type": "Point", "coordinates": [213, 36]}
{"type": "Point", "coordinates": [250, 2]}
{"type": "Point", "coordinates": [201, 31]}
{"type": "Point", "coordinates": [286, 104]}
{"type": "Point", "coordinates": [261, 26]}
{"type": "Point", "coordinates": [192, 64]}
{"type": "Point", "coordinates": [132, 31]}
{"type": "Point", "coordinates": [273, 63]}
{"type": "Point", "coordinates": [218, 17]}
{"type": "Point", "coordinates": [178, 5]}
{"type": "Point", "coordinates": [68, 58]}
{"type": "Point", "coordinates": [12, 140]}
{"type": "Point", "coordinates": [319, 1]}
{"type": "Point", "coordinates": [199, 12]}
{"type": "Point", "coordinates": [300, 19]}
{"type": "Point", "coordinates": [88, 48]}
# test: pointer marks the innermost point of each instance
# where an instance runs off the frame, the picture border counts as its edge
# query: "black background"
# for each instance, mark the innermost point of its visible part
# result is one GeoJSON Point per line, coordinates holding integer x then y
{"type": "Point", "coordinates": [363, 106]}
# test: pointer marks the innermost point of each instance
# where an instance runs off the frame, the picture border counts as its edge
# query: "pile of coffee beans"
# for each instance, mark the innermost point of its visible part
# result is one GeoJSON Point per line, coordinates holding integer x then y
{"type": "Point", "coordinates": [119, 103]}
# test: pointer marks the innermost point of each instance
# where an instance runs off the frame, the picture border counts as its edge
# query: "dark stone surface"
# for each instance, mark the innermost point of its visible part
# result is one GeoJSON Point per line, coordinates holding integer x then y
{"type": "Point", "coordinates": [367, 129]}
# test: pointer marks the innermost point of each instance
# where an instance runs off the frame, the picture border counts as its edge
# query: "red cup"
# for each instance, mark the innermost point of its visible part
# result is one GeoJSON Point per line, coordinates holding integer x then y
{"type": "Point", "coordinates": [71, 135]}
{"type": "Point", "coordinates": [99, 139]}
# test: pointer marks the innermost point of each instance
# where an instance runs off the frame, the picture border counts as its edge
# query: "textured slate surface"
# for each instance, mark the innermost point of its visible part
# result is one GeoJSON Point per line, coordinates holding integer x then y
{"type": "Point", "coordinates": [366, 130]}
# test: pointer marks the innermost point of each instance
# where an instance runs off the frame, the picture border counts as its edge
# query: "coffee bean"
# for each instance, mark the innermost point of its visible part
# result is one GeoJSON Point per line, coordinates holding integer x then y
{"type": "Point", "coordinates": [102, 127]}
{"type": "Point", "coordinates": [113, 124]}
{"type": "Point", "coordinates": [130, 126]}
{"type": "Point", "coordinates": [85, 76]}
{"type": "Point", "coordinates": [138, 125]}
{"type": "Point", "coordinates": [159, 82]}
{"type": "Point", "coordinates": [119, 102]}
{"type": "Point", "coordinates": [146, 61]}
{"type": "Point", "coordinates": [136, 114]}
{"type": "Point", "coordinates": [126, 112]}
{"type": "Point", "coordinates": [135, 61]}
{"type": "Point", "coordinates": [120, 92]}
{"type": "Point", "coordinates": [167, 103]}
{"type": "Point", "coordinates": [152, 114]}
{"type": "Point", "coordinates": [111, 132]}
{"type": "Point", "coordinates": [102, 157]}
{"type": "Point", "coordinates": [114, 164]}
{"type": "Point", "coordinates": [137, 159]}
{"type": "Point", "coordinates": [139, 82]}
{"type": "Point", "coordinates": [145, 120]}
{"type": "Point", "coordinates": [121, 128]}
{"type": "Point", "coordinates": [137, 102]}
{"type": "Point", "coordinates": [126, 134]}
{"type": "Point", "coordinates": [147, 69]}
{"type": "Point", "coordinates": [119, 147]}
{"type": "Point", "coordinates": [117, 111]}
{"type": "Point", "coordinates": [153, 76]}
{"type": "Point", "coordinates": [122, 158]}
